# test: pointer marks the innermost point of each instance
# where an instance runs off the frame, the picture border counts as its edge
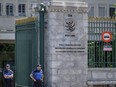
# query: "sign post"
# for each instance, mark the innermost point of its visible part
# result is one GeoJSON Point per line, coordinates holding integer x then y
{"type": "Point", "coordinates": [107, 37]}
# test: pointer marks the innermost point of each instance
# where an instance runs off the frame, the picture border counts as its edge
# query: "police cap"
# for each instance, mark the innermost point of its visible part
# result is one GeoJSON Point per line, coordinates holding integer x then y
{"type": "Point", "coordinates": [7, 64]}
{"type": "Point", "coordinates": [38, 65]}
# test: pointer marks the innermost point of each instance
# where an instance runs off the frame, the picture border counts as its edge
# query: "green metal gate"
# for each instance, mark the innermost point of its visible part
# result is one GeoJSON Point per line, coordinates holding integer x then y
{"type": "Point", "coordinates": [97, 57]}
{"type": "Point", "coordinates": [26, 50]}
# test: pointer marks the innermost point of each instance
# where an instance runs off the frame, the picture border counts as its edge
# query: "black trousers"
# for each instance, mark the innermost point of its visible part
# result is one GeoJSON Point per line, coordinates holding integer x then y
{"type": "Point", "coordinates": [37, 83]}
{"type": "Point", "coordinates": [8, 83]}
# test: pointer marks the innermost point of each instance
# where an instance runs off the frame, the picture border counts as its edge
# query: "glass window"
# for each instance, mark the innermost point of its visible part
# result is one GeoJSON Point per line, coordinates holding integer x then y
{"type": "Point", "coordinates": [21, 10]}
{"type": "Point", "coordinates": [91, 12]}
{"type": "Point", "coordinates": [102, 11]}
{"type": "Point", "coordinates": [9, 9]}
{"type": "Point", "coordinates": [111, 12]}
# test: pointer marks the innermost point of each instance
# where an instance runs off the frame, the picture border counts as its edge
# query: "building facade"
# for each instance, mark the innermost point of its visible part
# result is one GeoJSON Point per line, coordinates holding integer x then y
{"type": "Point", "coordinates": [13, 9]}
{"type": "Point", "coordinates": [101, 8]}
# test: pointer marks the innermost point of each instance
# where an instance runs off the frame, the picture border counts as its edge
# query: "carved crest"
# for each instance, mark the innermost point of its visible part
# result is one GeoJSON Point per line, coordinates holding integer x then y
{"type": "Point", "coordinates": [70, 26]}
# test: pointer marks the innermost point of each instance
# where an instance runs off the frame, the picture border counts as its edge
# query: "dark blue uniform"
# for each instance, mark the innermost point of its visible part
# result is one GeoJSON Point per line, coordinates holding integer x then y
{"type": "Point", "coordinates": [8, 81]}
{"type": "Point", "coordinates": [37, 74]}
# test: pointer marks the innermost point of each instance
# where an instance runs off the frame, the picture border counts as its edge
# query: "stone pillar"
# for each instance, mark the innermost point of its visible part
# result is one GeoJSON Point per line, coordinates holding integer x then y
{"type": "Point", "coordinates": [16, 8]}
{"type": "Point", "coordinates": [66, 44]}
{"type": "Point", "coordinates": [4, 7]}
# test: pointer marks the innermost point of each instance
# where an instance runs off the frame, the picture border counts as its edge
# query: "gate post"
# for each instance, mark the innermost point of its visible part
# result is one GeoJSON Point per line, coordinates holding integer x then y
{"type": "Point", "coordinates": [41, 34]}
{"type": "Point", "coordinates": [66, 43]}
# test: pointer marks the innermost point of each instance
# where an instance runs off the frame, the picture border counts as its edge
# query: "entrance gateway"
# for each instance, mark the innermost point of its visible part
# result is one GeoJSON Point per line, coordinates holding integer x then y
{"type": "Point", "coordinates": [66, 46]}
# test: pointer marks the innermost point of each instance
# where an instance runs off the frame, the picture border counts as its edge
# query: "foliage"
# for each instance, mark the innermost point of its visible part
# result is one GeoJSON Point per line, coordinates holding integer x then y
{"type": "Point", "coordinates": [6, 47]}
{"type": "Point", "coordinates": [115, 7]}
{"type": "Point", "coordinates": [6, 51]}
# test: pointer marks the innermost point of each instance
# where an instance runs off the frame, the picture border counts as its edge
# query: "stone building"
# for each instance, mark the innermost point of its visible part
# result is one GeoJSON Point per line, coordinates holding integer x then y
{"type": "Point", "coordinates": [99, 8]}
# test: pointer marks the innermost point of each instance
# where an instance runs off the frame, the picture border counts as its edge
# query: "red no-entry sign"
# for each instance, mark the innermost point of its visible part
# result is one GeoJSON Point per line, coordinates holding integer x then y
{"type": "Point", "coordinates": [106, 36]}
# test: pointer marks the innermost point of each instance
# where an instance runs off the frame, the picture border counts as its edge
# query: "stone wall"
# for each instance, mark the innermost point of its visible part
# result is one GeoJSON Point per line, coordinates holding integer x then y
{"type": "Point", "coordinates": [101, 76]}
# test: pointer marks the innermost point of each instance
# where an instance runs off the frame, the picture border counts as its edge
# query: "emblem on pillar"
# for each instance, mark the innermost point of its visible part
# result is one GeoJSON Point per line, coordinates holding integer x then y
{"type": "Point", "coordinates": [70, 26]}
{"type": "Point", "coordinates": [69, 22]}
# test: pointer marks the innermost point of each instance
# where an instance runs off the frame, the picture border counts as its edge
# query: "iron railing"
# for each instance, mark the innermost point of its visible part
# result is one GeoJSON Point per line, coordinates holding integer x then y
{"type": "Point", "coordinates": [97, 57]}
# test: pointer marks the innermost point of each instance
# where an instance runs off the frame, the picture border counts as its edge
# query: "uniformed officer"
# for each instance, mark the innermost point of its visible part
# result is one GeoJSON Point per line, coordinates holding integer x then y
{"type": "Point", "coordinates": [8, 76]}
{"type": "Point", "coordinates": [37, 76]}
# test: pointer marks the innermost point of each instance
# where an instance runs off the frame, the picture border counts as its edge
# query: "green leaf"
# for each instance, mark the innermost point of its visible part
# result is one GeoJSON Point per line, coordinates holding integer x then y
{"type": "Point", "coordinates": [115, 12]}
{"type": "Point", "coordinates": [114, 5]}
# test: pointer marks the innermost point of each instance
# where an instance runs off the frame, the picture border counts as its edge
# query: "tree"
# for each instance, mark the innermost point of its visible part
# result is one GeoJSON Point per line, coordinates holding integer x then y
{"type": "Point", "coordinates": [115, 7]}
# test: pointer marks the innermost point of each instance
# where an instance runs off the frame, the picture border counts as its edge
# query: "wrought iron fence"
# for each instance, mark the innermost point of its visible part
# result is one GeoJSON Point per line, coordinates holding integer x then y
{"type": "Point", "coordinates": [97, 56]}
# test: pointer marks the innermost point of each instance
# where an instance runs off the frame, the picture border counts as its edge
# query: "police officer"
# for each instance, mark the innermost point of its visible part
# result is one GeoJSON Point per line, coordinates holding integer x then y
{"type": "Point", "coordinates": [8, 76]}
{"type": "Point", "coordinates": [37, 76]}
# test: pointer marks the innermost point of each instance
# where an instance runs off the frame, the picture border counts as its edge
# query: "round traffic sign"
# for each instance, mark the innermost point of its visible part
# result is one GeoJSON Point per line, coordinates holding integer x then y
{"type": "Point", "coordinates": [106, 36]}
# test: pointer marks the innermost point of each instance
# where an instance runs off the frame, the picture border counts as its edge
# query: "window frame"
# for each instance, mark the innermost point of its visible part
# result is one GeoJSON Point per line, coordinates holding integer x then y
{"type": "Point", "coordinates": [105, 10]}
{"type": "Point", "coordinates": [111, 6]}
{"type": "Point", "coordinates": [102, 9]}
{"type": "Point", "coordinates": [90, 11]}
{"type": "Point", "coordinates": [9, 9]}
{"type": "Point", "coordinates": [22, 9]}
{"type": "Point", "coordinates": [112, 14]}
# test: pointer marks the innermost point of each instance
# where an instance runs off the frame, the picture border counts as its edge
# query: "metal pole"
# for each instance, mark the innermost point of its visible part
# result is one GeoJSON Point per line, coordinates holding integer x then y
{"type": "Point", "coordinates": [41, 32]}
